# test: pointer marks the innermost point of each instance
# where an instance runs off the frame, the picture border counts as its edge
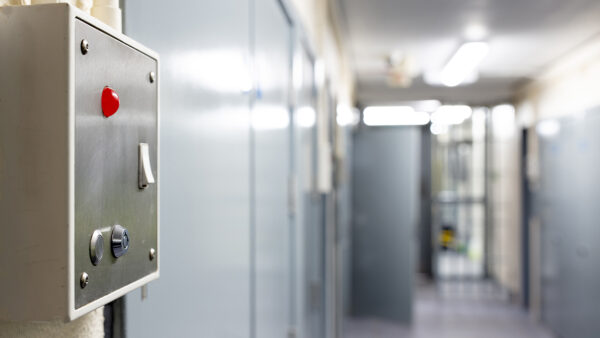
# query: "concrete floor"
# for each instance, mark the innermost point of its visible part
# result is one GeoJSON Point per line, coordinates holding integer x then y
{"type": "Point", "coordinates": [454, 310]}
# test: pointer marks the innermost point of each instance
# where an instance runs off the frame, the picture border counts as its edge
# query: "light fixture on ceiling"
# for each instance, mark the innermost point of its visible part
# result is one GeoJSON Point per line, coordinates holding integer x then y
{"type": "Point", "coordinates": [401, 69]}
{"type": "Point", "coordinates": [270, 118]}
{"type": "Point", "coordinates": [433, 77]}
{"type": "Point", "coordinates": [305, 117]}
{"type": "Point", "coordinates": [438, 129]}
{"type": "Point", "coordinates": [475, 31]}
{"type": "Point", "coordinates": [346, 115]}
{"type": "Point", "coordinates": [548, 128]}
{"type": "Point", "coordinates": [451, 114]}
{"type": "Point", "coordinates": [464, 63]}
{"type": "Point", "coordinates": [426, 105]}
{"type": "Point", "coordinates": [394, 116]}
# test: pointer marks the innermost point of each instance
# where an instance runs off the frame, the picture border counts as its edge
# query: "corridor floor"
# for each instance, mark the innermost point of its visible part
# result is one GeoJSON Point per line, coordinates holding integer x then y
{"type": "Point", "coordinates": [455, 310]}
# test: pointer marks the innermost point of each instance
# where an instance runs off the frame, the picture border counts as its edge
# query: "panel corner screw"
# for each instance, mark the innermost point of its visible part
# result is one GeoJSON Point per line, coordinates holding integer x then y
{"type": "Point", "coordinates": [151, 77]}
{"type": "Point", "coordinates": [84, 280]}
{"type": "Point", "coordinates": [85, 46]}
{"type": "Point", "coordinates": [152, 254]}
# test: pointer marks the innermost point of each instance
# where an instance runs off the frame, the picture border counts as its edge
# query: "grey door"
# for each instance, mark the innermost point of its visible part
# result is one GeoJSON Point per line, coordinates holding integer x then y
{"type": "Point", "coordinates": [204, 285]}
{"type": "Point", "coordinates": [308, 278]}
{"type": "Point", "coordinates": [386, 203]}
{"type": "Point", "coordinates": [271, 128]}
{"type": "Point", "coordinates": [569, 214]}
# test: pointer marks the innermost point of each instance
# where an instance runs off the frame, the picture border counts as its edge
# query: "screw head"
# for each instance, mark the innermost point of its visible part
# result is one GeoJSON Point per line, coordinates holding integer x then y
{"type": "Point", "coordinates": [152, 254]}
{"type": "Point", "coordinates": [84, 280]}
{"type": "Point", "coordinates": [85, 46]}
{"type": "Point", "coordinates": [152, 77]}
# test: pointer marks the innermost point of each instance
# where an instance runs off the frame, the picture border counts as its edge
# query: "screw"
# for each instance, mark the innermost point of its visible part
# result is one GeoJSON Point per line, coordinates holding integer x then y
{"type": "Point", "coordinates": [85, 46]}
{"type": "Point", "coordinates": [84, 280]}
{"type": "Point", "coordinates": [151, 77]}
{"type": "Point", "coordinates": [152, 254]}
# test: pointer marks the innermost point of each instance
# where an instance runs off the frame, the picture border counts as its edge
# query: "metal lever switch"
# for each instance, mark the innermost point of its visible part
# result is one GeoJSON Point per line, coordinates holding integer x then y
{"type": "Point", "coordinates": [145, 169]}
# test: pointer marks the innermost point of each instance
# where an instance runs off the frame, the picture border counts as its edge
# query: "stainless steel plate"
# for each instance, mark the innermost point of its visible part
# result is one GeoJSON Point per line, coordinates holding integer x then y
{"type": "Point", "coordinates": [106, 161]}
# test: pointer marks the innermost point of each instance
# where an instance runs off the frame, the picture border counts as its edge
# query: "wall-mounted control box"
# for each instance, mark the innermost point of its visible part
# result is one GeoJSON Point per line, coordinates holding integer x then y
{"type": "Point", "coordinates": [78, 163]}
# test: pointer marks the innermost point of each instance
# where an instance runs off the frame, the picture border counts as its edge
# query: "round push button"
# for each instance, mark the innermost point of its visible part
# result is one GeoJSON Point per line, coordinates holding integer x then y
{"type": "Point", "coordinates": [96, 247]}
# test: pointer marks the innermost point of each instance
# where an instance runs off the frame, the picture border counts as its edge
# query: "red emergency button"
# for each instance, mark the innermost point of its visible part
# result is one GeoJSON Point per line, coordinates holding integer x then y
{"type": "Point", "coordinates": [110, 102]}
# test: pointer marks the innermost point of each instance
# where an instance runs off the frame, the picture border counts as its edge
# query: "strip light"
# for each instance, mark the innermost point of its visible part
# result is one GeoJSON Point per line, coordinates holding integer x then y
{"type": "Point", "coordinates": [548, 128]}
{"type": "Point", "coordinates": [450, 115]}
{"type": "Point", "coordinates": [394, 116]}
{"type": "Point", "coordinates": [346, 115]}
{"type": "Point", "coordinates": [464, 63]}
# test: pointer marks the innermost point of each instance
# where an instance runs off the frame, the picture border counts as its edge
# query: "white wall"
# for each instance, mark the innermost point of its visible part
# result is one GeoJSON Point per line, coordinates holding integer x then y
{"type": "Point", "coordinates": [505, 199]}
{"type": "Point", "coordinates": [89, 326]}
{"type": "Point", "coordinates": [321, 21]}
{"type": "Point", "coordinates": [567, 87]}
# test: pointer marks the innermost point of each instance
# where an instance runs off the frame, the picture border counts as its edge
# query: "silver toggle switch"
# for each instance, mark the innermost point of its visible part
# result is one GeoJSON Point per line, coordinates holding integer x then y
{"type": "Point", "coordinates": [144, 168]}
{"type": "Point", "coordinates": [96, 247]}
{"type": "Point", "coordinates": [119, 240]}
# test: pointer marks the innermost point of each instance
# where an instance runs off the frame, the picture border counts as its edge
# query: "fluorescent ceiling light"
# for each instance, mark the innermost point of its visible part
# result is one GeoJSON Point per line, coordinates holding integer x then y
{"type": "Point", "coordinates": [346, 115]}
{"type": "Point", "coordinates": [449, 115]}
{"type": "Point", "coordinates": [394, 116]}
{"type": "Point", "coordinates": [306, 117]}
{"type": "Point", "coordinates": [426, 105]}
{"type": "Point", "coordinates": [548, 128]}
{"type": "Point", "coordinates": [438, 129]}
{"type": "Point", "coordinates": [219, 70]}
{"type": "Point", "coordinates": [434, 78]}
{"type": "Point", "coordinates": [464, 63]}
{"type": "Point", "coordinates": [476, 31]}
{"type": "Point", "coordinates": [269, 118]}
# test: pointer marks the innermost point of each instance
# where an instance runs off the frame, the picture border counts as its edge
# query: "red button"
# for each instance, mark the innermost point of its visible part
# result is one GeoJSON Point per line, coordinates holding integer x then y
{"type": "Point", "coordinates": [110, 101]}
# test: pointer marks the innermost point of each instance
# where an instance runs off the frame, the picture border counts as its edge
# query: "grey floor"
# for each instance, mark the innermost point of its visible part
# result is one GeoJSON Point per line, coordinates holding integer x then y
{"type": "Point", "coordinates": [454, 310]}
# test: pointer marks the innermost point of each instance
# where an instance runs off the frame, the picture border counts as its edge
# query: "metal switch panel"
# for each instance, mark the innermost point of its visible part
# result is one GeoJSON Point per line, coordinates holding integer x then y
{"type": "Point", "coordinates": [113, 161]}
{"type": "Point", "coordinates": [78, 163]}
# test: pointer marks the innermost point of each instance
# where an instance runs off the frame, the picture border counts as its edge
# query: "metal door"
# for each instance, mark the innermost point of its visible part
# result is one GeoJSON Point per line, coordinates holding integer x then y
{"type": "Point", "coordinates": [308, 285]}
{"type": "Point", "coordinates": [385, 214]}
{"type": "Point", "coordinates": [204, 288]}
{"type": "Point", "coordinates": [569, 223]}
{"type": "Point", "coordinates": [271, 130]}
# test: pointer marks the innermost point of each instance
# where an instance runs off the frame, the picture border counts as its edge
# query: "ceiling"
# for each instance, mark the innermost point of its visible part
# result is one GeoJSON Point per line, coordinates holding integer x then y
{"type": "Point", "coordinates": [525, 36]}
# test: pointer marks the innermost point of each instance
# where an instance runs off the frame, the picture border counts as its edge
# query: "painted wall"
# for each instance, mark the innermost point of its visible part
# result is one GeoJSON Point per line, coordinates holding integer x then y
{"type": "Point", "coordinates": [322, 22]}
{"type": "Point", "coordinates": [90, 325]}
{"type": "Point", "coordinates": [566, 90]}
{"type": "Point", "coordinates": [505, 199]}
{"type": "Point", "coordinates": [566, 87]}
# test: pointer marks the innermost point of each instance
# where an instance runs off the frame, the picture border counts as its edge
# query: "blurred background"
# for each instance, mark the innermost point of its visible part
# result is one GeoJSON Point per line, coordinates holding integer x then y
{"type": "Point", "coordinates": [383, 168]}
